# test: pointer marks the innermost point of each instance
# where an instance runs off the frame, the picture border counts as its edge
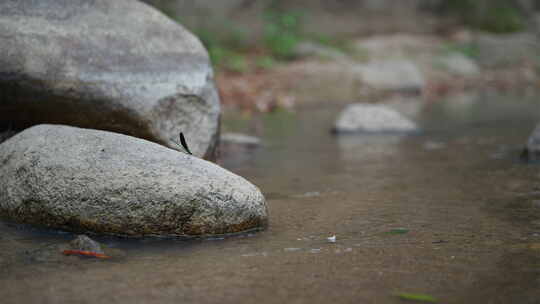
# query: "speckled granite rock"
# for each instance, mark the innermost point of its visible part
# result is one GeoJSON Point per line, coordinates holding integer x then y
{"type": "Point", "coordinates": [112, 65]}
{"type": "Point", "coordinates": [87, 180]}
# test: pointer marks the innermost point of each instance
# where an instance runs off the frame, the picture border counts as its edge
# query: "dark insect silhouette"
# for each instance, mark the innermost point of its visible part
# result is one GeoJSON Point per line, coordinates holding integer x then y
{"type": "Point", "coordinates": [184, 143]}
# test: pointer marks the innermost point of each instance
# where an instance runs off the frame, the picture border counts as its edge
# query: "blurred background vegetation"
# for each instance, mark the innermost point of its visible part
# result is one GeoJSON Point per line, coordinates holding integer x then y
{"type": "Point", "coordinates": [247, 34]}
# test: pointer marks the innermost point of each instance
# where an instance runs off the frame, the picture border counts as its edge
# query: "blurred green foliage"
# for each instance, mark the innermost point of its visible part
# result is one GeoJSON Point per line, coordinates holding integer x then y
{"type": "Point", "coordinates": [225, 49]}
{"type": "Point", "coordinates": [228, 49]}
{"type": "Point", "coordinates": [468, 49]}
{"type": "Point", "coordinates": [265, 62]}
{"type": "Point", "coordinates": [497, 16]}
{"type": "Point", "coordinates": [417, 297]}
{"type": "Point", "coordinates": [282, 32]}
{"type": "Point", "coordinates": [233, 49]}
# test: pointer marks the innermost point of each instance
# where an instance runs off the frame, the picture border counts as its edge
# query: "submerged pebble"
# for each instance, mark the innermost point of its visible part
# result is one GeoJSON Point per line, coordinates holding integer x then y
{"type": "Point", "coordinates": [84, 243]}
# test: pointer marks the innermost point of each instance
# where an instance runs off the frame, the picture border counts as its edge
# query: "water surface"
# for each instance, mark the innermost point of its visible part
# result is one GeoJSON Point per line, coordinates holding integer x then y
{"type": "Point", "coordinates": [467, 215]}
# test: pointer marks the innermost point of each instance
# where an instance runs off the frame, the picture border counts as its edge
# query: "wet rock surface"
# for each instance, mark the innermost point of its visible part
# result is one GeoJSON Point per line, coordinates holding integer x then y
{"type": "Point", "coordinates": [371, 118]}
{"type": "Point", "coordinates": [111, 65]}
{"type": "Point", "coordinates": [87, 180]}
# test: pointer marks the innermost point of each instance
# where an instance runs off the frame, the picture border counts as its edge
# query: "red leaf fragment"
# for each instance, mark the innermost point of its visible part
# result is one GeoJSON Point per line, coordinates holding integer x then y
{"type": "Point", "coordinates": [86, 253]}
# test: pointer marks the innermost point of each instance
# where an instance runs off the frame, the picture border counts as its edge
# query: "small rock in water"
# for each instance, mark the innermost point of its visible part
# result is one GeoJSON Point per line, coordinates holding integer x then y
{"type": "Point", "coordinates": [310, 194]}
{"type": "Point", "coordinates": [240, 139]}
{"type": "Point", "coordinates": [532, 150]}
{"type": "Point", "coordinates": [371, 118]}
{"type": "Point", "coordinates": [84, 243]}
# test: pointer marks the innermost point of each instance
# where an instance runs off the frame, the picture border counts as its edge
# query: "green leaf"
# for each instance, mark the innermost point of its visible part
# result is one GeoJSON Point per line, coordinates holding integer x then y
{"type": "Point", "coordinates": [417, 297]}
{"type": "Point", "coordinates": [398, 231]}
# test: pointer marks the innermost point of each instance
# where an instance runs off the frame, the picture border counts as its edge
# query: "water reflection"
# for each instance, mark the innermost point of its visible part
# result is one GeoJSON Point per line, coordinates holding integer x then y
{"type": "Point", "coordinates": [359, 147]}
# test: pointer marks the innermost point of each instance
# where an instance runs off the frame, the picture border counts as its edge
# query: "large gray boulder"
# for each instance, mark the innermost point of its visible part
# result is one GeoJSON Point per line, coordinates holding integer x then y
{"type": "Point", "coordinates": [86, 180]}
{"type": "Point", "coordinates": [112, 65]}
{"type": "Point", "coordinates": [372, 118]}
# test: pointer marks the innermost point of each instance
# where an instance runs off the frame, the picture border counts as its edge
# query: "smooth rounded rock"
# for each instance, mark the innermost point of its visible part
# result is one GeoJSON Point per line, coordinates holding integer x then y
{"type": "Point", "coordinates": [86, 180]}
{"type": "Point", "coordinates": [391, 75]}
{"type": "Point", "coordinates": [372, 118]}
{"type": "Point", "coordinates": [84, 243]}
{"type": "Point", "coordinates": [115, 65]}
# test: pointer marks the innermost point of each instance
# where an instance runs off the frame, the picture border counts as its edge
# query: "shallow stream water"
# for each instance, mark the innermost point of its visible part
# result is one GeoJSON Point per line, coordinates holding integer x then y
{"type": "Point", "coordinates": [451, 213]}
